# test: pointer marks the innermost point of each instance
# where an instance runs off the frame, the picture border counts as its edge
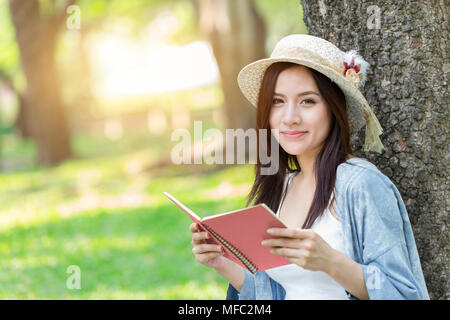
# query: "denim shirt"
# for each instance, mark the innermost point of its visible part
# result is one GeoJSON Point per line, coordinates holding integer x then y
{"type": "Point", "coordinates": [377, 235]}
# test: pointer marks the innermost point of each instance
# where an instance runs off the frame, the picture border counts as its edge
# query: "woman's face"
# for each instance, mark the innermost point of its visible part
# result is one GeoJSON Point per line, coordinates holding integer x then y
{"type": "Point", "coordinates": [298, 106]}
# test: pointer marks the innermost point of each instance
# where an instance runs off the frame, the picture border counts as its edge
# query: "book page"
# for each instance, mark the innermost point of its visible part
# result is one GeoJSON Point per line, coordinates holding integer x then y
{"type": "Point", "coordinates": [229, 212]}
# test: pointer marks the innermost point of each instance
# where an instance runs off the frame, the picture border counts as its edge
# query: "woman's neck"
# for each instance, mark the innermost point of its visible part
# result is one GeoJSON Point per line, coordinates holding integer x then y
{"type": "Point", "coordinates": [306, 174]}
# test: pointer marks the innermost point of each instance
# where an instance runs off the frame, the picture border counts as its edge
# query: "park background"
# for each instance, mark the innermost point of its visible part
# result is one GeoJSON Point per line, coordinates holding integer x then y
{"type": "Point", "coordinates": [91, 91]}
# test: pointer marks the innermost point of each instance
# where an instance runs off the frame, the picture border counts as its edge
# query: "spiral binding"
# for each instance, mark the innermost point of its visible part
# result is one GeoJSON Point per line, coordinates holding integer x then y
{"type": "Point", "coordinates": [236, 252]}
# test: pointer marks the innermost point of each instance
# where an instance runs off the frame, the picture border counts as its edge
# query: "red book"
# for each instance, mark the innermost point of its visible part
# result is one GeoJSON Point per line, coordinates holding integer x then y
{"type": "Point", "coordinates": [240, 233]}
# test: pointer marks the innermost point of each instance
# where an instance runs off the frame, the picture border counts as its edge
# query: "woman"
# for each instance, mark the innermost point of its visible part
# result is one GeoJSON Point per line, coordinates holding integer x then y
{"type": "Point", "coordinates": [348, 234]}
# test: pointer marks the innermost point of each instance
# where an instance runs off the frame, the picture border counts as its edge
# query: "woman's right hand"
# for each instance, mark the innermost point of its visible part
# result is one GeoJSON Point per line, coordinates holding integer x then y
{"type": "Point", "coordinates": [210, 255]}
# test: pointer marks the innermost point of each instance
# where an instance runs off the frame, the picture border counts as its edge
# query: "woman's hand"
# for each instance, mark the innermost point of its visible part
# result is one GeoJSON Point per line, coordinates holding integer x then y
{"type": "Point", "coordinates": [304, 248]}
{"type": "Point", "coordinates": [210, 255]}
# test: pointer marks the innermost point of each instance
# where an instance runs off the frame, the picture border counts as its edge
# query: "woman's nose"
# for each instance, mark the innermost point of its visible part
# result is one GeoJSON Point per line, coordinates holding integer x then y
{"type": "Point", "coordinates": [291, 115]}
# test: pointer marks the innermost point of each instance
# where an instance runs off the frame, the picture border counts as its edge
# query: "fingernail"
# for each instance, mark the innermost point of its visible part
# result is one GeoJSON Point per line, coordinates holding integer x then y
{"type": "Point", "coordinates": [270, 230]}
{"type": "Point", "coordinates": [264, 242]}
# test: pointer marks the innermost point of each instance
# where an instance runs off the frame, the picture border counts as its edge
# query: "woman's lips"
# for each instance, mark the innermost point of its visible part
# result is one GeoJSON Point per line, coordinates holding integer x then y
{"type": "Point", "coordinates": [293, 134]}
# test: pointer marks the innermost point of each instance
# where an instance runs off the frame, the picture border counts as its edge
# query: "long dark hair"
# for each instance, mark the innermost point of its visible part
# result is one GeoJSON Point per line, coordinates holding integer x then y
{"type": "Point", "coordinates": [268, 188]}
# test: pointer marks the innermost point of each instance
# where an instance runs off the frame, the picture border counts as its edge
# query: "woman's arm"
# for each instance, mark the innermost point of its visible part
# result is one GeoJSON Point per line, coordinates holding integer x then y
{"type": "Point", "coordinates": [233, 272]}
{"type": "Point", "coordinates": [386, 248]}
{"type": "Point", "coordinates": [349, 274]}
{"type": "Point", "coordinates": [310, 251]}
{"type": "Point", "coordinates": [211, 256]}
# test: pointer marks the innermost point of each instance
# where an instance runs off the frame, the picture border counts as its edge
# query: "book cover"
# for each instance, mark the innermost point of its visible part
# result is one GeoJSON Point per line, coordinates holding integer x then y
{"type": "Point", "coordinates": [240, 233]}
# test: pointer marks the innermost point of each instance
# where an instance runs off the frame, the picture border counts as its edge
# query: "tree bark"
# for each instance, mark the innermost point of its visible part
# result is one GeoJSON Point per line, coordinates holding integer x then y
{"type": "Point", "coordinates": [407, 88]}
{"type": "Point", "coordinates": [36, 38]}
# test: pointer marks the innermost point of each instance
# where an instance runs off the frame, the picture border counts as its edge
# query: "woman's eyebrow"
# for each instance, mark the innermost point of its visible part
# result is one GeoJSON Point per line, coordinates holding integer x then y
{"type": "Point", "coordinates": [298, 95]}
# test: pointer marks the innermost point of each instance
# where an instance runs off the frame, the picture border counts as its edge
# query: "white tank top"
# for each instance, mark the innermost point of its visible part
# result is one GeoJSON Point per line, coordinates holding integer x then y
{"type": "Point", "coordinates": [302, 284]}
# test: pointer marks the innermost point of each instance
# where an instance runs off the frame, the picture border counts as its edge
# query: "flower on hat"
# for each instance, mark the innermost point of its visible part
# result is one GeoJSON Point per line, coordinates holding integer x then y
{"type": "Point", "coordinates": [355, 68]}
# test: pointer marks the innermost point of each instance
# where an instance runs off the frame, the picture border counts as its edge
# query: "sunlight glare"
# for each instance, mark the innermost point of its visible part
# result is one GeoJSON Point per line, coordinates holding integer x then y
{"type": "Point", "coordinates": [125, 68]}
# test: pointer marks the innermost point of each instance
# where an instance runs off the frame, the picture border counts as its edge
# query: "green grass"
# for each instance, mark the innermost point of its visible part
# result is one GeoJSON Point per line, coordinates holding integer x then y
{"type": "Point", "coordinates": [107, 214]}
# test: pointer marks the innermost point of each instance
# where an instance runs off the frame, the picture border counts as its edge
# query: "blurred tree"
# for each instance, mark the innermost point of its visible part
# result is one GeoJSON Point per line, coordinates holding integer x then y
{"type": "Point", "coordinates": [237, 34]}
{"type": "Point", "coordinates": [280, 20]}
{"type": "Point", "coordinates": [37, 34]}
{"type": "Point", "coordinates": [134, 17]}
{"type": "Point", "coordinates": [11, 76]}
{"type": "Point", "coordinates": [21, 119]}
{"type": "Point", "coordinates": [38, 26]}
{"type": "Point", "coordinates": [406, 43]}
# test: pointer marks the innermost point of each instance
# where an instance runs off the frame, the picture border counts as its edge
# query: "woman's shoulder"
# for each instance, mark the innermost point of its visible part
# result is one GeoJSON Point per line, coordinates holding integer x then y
{"type": "Point", "coordinates": [365, 187]}
{"type": "Point", "coordinates": [360, 172]}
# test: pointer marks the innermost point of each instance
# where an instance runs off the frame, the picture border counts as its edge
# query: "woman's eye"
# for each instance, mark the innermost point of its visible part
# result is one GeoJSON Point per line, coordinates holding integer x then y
{"type": "Point", "coordinates": [308, 101]}
{"type": "Point", "coordinates": [305, 101]}
{"type": "Point", "coordinates": [276, 101]}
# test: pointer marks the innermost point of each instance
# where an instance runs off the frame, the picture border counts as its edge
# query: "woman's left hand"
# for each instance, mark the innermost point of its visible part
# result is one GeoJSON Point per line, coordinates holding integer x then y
{"type": "Point", "coordinates": [303, 247]}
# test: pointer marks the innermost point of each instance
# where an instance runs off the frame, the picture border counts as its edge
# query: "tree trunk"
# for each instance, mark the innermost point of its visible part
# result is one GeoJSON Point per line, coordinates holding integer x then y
{"type": "Point", "coordinates": [237, 35]}
{"type": "Point", "coordinates": [36, 38]}
{"type": "Point", "coordinates": [23, 121]}
{"type": "Point", "coordinates": [405, 42]}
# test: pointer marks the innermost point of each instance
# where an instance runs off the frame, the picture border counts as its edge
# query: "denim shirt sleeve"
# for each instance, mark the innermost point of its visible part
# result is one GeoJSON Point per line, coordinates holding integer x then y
{"type": "Point", "coordinates": [388, 254]}
{"type": "Point", "coordinates": [257, 286]}
{"type": "Point", "coordinates": [247, 289]}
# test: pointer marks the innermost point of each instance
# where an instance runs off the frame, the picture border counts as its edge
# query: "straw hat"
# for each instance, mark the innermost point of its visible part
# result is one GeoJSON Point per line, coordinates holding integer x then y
{"type": "Point", "coordinates": [346, 69]}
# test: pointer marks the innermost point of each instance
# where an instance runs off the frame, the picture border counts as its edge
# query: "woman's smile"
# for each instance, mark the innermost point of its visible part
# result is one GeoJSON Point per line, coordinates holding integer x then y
{"type": "Point", "coordinates": [294, 134]}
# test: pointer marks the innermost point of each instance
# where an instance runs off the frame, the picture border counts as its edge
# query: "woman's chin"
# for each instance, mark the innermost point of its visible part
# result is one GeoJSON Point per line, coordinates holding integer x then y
{"type": "Point", "coordinates": [293, 150]}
